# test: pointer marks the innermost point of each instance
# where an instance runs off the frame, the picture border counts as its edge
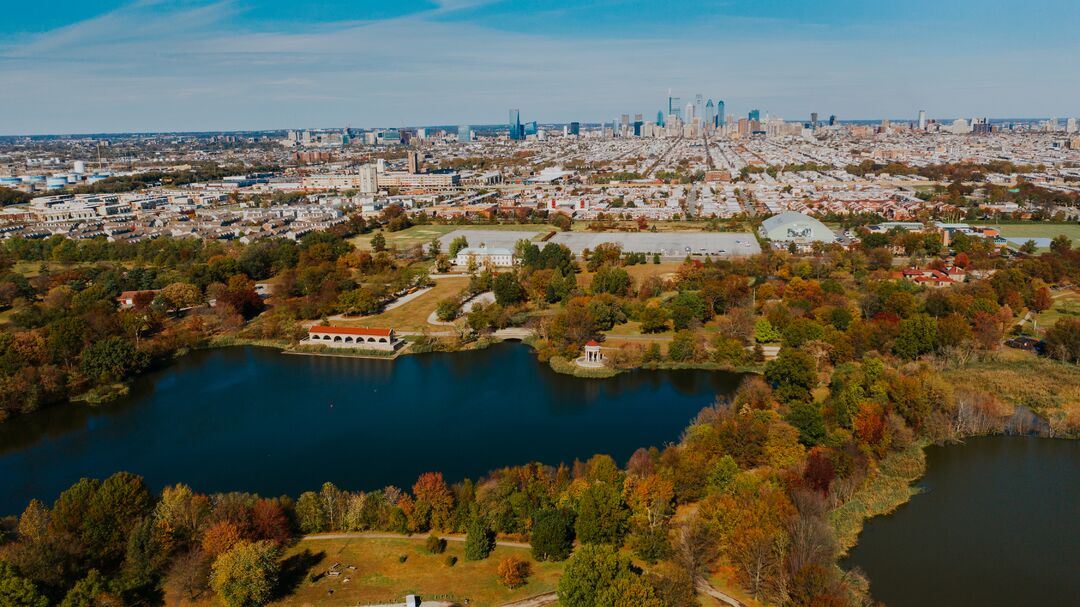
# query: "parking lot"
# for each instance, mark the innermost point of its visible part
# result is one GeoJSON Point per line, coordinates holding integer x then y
{"type": "Point", "coordinates": [667, 244]}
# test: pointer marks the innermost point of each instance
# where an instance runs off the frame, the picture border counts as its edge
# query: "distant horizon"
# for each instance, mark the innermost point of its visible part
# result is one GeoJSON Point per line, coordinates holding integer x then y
{"type": "Point", "coordinates": [157, 66]}
{"type": "Point", "coordinates": [822, 120]}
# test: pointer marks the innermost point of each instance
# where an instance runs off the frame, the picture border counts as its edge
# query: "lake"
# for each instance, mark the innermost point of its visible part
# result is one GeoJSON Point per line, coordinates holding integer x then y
{"type": "Point", "coordinates": [998, 524]}
{"type": "Point", "coordinates": [253, 419]}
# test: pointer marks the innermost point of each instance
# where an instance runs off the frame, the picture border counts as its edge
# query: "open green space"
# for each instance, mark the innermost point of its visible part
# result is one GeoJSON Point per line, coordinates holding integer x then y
{"type": "Point", "coordinates": [413, 315]}
{"type": "Point", "coordinates": [380, 576]}
{"type": "Point", "coordinates": [1039, 230]}
{"type": "Point", "coordinates": [1066, 305]}
{"type": "Point", "coordinates": [424, 234]}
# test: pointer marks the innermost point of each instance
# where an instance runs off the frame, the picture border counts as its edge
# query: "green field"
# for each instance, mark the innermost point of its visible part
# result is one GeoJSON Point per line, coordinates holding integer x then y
{"type": "Point", "coordinates": [380, 577]}
{"type": "Point", "coordinates": [424, 234]}
{"type": "Point", "coordinates": [1066, 303]}
{"type": "Point", "coordinates": [1039, 230]}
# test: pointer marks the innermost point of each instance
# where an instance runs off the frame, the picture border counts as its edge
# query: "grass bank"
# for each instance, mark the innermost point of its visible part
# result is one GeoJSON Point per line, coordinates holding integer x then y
{"type": "Point", "coordinates": [888, 489]}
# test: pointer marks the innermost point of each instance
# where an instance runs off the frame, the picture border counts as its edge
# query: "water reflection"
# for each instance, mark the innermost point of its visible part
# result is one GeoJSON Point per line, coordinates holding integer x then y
{"type": "Point", "coordinates": [254, 419]}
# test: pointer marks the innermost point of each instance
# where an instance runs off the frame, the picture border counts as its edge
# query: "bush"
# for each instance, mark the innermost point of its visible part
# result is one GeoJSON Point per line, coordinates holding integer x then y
{"type": "Point", "coordinates": [513, 572]}
{"type": "Point", "coordinates": [435, 544]}
{"type": "Point", "coordinates": [450, 560]}
{"type": "Point", "coordinates": [402, 558]}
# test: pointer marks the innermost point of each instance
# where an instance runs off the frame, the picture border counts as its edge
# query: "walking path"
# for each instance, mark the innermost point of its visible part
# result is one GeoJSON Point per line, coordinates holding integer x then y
{"type": "Point", "coordinates": [487, 298]}
{"type": "Point", "coordinates": [401, 536]}
{"type": "Point", "coordinates": [539, 600]}
{"type": "Point", "coordinates": [706, 588]}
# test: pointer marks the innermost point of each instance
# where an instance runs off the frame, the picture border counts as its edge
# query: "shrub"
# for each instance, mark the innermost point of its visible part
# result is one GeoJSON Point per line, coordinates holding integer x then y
{"type": "Point", "coordinates": [513, 572]}
{"type": "Point", "coordinates": [435, 544]}
{"type": "Point", "coordinates": [402, 558]}
{"type": "Point", "coordinates": [450, 560]}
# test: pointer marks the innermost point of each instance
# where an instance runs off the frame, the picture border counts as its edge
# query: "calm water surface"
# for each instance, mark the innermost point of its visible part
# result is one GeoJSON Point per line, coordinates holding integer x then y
{"type": "Point", "coordinates": [252, 419]}
{"type": "Point", "coordinates": [998, 525]}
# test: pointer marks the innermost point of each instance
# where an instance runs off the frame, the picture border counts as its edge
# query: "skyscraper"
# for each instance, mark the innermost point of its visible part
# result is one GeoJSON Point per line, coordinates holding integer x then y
{"type": "Point", "coordinates": [832, 120]}
{"type": "Point", "coordinates": [673, 108]}
{"type": "Point", "coordinates": [660, 118]}
{"type": "Point", "coordinates": [516, 131]}
{"type": "Point", "coordinates": [922, 120]}
{"type": "Point", "coordinates": [464, 133]}
{"type": "Point", "coordinates": [754, 115]}
{"type": "Point", "coordinates": [575, 128]}
{"type": "Point", "coordinates": [413, 158]}
{"type": "Point", "coordinates": [720, 112]}
{"type": "Point", "coordinates": [689, 118]}
{"type": "Point", "coordinates": [813, 120]}
{"type": "Point", "coordinates": [699, 106]}
{"type": "Point", "coordinates": [710, 114]}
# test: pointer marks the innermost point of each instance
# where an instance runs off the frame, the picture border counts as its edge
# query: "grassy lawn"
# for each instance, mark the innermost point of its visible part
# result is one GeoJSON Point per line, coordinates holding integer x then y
{"type": "Point", "coordinates": [1066, 303]}
{"type": "Point", "coordinates": [380, 577]}
{"type": "Point", "coordinates": [30, 269]}
{"type": "Point", "coordinates": [413, 315]}
{"type": "Point", "coordinates": [638, 272]}
{"type": "Point", "coordinates": [406, 238]}
{"type": "Point", "coordinates": [1050, 388]}
{"type": "Point", "coordinates": [424, 234]}
{"type": "Point", "coordinates": [1039, 230]}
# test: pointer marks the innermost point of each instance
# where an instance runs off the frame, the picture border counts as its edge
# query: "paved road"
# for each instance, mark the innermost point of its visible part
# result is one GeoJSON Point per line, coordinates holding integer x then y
{"type": "Point", "coordinates": [400, 536]}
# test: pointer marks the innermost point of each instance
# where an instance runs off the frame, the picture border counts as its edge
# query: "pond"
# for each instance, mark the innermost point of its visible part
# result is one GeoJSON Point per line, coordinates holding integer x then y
{"type": "Point", "coordinates": [253, 419]}
{"type": "Point", "coordinates": [997, 524]}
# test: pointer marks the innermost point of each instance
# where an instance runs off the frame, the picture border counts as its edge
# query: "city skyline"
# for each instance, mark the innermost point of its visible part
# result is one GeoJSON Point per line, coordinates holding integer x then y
{"type": "Point", "coordinates": [152, 66]}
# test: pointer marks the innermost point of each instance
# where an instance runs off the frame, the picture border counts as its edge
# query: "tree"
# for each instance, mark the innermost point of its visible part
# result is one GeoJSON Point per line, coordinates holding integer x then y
{"type": "Point", "coordinates": [358, 301]}
{"type": "Point", "coordinates": [598, 575]}
{"type": "Point", "coordinates": [17, 591]}
{"type": "Point", "coordinates": [1029, 247]}
{"type": "Point", "coordinates": [270, 522]}
{"type": "Point", "coordinates": [246, 575]}
{"type": "Point", "coordinates": [378, 242]}
{"type": "Point", "coordinates": [653, 320]}
{"type": "Point", "coordinates": [507, 289]}
{"type": "Point", "coordinates": [1063, 340]}
{"type": "Point", "coordinates": [220, 537]}
{"type": "Point", "coordinates": [918, 336]}
{"type": "Point", "coordinates": [433, 496]}
{"type": "Point", "coordinates": [434, 248]}
{"type": "Point", "coordinates": [611, 280]}
{"type": "Point", "coordinates": [810, 422]}
{"type": "Point", "coordinates": [110, 514]}
{"type": "Point", "coordinates": [793, 373]}
{"type": "Point", "coordinates": [513, 572]}
{"type": "Point", "coordinates": [112, 359]}
{"type": "Point", "coordinates": [1042, 300]}
{"type": "Point", "coordinates": [764, 332]}
{"type": "Point", "coordinates": [602, 516]}
{"type": "Point", "coordinates": [180, 295]}
{"type": "Point", "coordinates": [91, 591]}
{"type": "Point", "coordinates": [1061, 244]}
{"type": "Point", "coordinates": [479, 541]}
{"type": "Point", "coordinates": [682, 346]}
{"type": "Point", "coordinates": [457, 244]}
{"type": "Point", "coordinates": [552, 535]}
{"type": "Point", "coordinates": [310, 515]}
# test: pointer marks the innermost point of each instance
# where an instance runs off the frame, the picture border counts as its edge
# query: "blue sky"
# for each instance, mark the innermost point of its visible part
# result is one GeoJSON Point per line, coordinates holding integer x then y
{"type": "Point", "coordinates": [155, 65]}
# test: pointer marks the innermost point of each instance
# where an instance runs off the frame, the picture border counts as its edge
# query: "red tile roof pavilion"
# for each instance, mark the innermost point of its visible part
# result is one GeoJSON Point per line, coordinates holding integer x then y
{"type": "Point", "coordinates": [351, 331]}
